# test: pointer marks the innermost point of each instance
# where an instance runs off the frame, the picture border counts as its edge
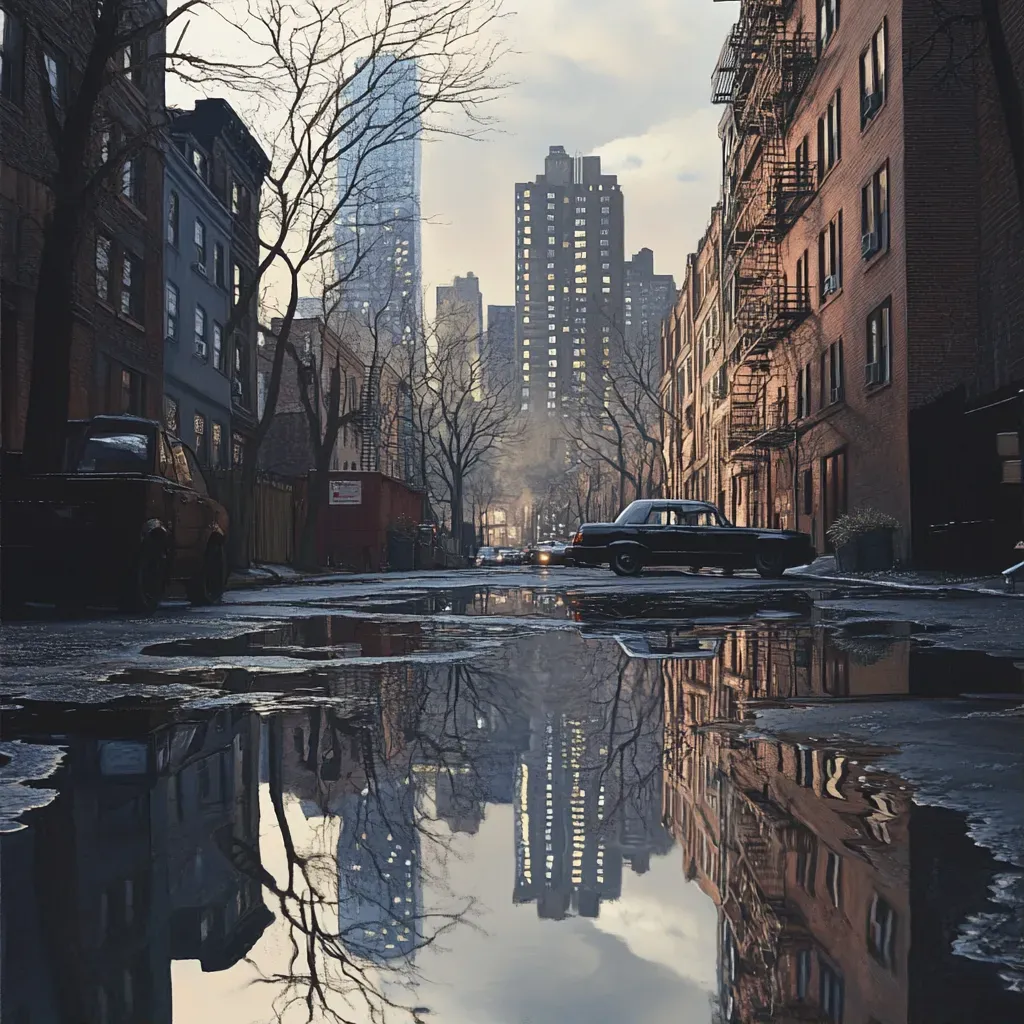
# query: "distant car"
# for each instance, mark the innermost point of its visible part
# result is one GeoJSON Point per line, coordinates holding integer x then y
{"type": "Point", "coordinates": [690, 533]}
{"type": "Point", "coordinates": [509, 556]}
{"type": "Point", "coordinates": [488, 556]}
{"type": "Point", "coordinates": [548, 552]}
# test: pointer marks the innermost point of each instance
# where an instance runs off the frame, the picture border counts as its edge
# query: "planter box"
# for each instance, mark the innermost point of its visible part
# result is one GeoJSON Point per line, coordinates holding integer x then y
{"type": "Point", "coordinates": [870, 552]}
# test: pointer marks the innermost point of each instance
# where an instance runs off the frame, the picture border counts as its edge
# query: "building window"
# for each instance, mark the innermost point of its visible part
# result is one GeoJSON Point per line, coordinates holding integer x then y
{"type": "Point", "coordinates": [832, 374]}
{"type": "Point", "coordinates": [172, 219]}
{"type": "Point", "coordinates": [803, 393]}
{"type": "Point", "coordinates": [12, 58]}
{"type": "Point", "coordinates": [170, 415]}
{"type": "Point", "coordinates": [218, 346]}
{"type": "Point", "coordinates": [830, 992]}
{"type": "Point", "coordinates": [828, 21]}
{"type": "Point", "coordinates": [237, 450]}
{"type": "Point", "coordinates": [236, 284]}
{"type": "Point", "coordinates": [218, 264]}
{"type": "Point", "coordinates": [873, 76]}
{"type": "Point", "coordinates": [874, 217]}
{"type": "Point", "coordinates": [172, 311]}
{"type": "Point", "coordinates": [216, 446]}
{"type": "Point", "coordinates": [803, 279]}
{"type": "Point", "coordinates": [830, 258]}
{"type": "Point", "coordinates": [131, 180]}
{"type": "Point", "coordinates": [200, 240]}
{"type": "Point", "coordinates": [200, 332]}
{"type": "Point", "coordinates": [131, 287]}
{"type": "Point", "coordinates": [878, 368]}
{"type": "Point", "coordinates": [133, 62]}
{"type": "Point", "coordinates": [200, 164]}
{"type": "Point", "coordinates": [239, 200]}
{"type": "Point", "coordinates": [881, 931]}
{"type": "Point", "coordinates": [830, 136]}
{"type": "Point", "coordinates": [833, 879]}
{"type": "Point", "coordinates": [199, 429]}
{"type": "Point", "coordinates": [103, 266]}
{"type": "Point", "coordinates": [55, 69]}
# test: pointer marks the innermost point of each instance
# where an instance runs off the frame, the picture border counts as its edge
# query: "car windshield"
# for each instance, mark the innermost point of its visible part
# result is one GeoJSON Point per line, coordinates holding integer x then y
{"type": "Point", "coordinates": [626, 515]}
{"type": "Point", "coordinates": [115, 453]}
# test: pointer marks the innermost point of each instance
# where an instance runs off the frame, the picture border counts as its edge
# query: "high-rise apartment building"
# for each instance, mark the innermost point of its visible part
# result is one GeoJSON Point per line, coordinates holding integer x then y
{"type": "Point", "coordinates": [377, 235]}
{"type": "Point", "coordinates": [569, 282]}
{"type": "Point", "coordinates": [499, 345]}
{"type": "Point", "coordinates": [459, 315]}
{"type": "Point", "coordinates": [648, 300]}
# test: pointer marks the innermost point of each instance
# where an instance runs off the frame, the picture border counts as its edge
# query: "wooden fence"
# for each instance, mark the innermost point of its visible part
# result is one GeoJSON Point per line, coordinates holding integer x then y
{"type": "Point", "coordinates": [278, 511]}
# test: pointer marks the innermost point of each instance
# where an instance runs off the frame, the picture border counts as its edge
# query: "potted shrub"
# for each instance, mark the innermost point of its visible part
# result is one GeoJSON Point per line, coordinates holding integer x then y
{"type": "Point", "coordinates": [863, 540]}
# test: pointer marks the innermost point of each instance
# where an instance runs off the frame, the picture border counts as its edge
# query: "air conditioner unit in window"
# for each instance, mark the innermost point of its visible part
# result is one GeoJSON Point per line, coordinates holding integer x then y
{"type": "Point", "coordinates": [200, 268]}
{"type": "Point", "coordinates": [873, 373]}
{"type": "Point", "coordinates": [870, 105]}
{"type": "Point", "coordinates": [869, 244]}
{"type": "Point", "coordinates": [835, 395]}
{"type": "Point", "coordinates": [236, 388]}
{"type": "Point", "coordinates": [831, 285]}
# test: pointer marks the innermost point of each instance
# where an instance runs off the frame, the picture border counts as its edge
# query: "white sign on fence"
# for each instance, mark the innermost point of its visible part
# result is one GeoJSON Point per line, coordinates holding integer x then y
{"type": "Point", "coordinates": [346, 492]}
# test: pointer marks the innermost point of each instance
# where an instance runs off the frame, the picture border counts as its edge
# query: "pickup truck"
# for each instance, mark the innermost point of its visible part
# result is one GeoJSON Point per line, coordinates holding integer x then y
{"type": "Point", "coordinates": [130, 514]}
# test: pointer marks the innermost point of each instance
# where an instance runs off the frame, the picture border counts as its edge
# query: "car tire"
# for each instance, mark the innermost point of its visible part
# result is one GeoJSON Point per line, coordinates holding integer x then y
{"type": "Point", "coordinates": [627, 563]}
{"type": "Point", "coordinates": [770, 563]}
{"type": "Point", "coordinates": [208, 586]}
{"type": "Point", "coordinates": [147, 579]}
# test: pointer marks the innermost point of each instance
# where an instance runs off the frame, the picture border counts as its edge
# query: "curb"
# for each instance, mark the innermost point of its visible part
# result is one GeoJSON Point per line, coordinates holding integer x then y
{"type": "Point", "coordinates": [924, 588]}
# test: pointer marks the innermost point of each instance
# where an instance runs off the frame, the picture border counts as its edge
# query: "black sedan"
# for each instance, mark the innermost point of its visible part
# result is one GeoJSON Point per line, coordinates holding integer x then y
{"type": "Point", "coordinates": [548, 552]}
{"type": "Point", "coordinates": [692, 533]}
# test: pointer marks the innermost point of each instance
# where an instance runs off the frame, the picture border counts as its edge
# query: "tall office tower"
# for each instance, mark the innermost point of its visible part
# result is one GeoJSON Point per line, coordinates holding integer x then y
{"type": "Point", "coordinates": [459, 316]}
{"type": "Point", "coordinates": [377, 234]}
{"type": "Point", "coordinates": [649, 297]}
{"type": "Point", "coordinates": [499, 349]}
{"type": "Point", "coordinates": [569, 282]}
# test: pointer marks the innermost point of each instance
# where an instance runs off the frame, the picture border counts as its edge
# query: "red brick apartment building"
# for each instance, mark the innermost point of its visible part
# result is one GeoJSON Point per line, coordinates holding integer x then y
{"type": "Point", "coordinates": [117, 351]}
{"type": "Point", "coordinates": [871, 255]}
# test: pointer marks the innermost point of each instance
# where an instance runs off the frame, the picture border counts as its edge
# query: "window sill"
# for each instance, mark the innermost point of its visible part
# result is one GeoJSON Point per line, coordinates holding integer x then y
{"type": "Point", "coordinates": [131, 321]}
{"type": "Point", "coordinates": [866, 125]}
{"type": "Point", "coordinates": [823, 178]}
{"type": "Point", "coordinates": [827, 300]}
{"type": "Point", "coordinates": [875, 258]}
{"type": "Point", "coordinates": [129, 204]}
{"type": "Point", "coordinates": [870, 390]}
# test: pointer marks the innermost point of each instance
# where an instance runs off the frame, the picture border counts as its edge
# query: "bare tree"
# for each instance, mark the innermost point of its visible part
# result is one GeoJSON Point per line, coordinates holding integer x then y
{"type": "Point", "coordinates": [332, 101]}
{"type": "Point", "coordinates": [92, 129]}
{"type": "Point", "coordinates": [463, 423]}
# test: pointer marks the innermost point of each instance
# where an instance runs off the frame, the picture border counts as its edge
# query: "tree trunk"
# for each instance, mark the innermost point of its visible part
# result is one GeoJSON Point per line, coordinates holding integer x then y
{"type": "Point", "coordinates": [457, 512]}
{"type": "Point", "coordinates": [50, 388]}
{"type": "Point", "coordinates": [319, 488]}
{"type": "Point", "coordinates": [1011, 102]}
{"type": "Point", "coordinates": [241, 531]}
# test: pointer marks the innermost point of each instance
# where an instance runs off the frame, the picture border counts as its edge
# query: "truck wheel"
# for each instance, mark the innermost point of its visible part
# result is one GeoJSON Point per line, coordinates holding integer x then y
{"type": "Point", "coordinates": [770, 563]}
{"type": "Point", "coordinates": [208, 587]}
{"type": "Point", "coordinates": [148, 578]}
{"type": "Point", "coordinates": [627, 563]}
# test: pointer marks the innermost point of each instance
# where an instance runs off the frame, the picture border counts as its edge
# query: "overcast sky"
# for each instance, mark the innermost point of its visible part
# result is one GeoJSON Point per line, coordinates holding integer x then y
{"type": "Point", "coordinates": [628, 81]}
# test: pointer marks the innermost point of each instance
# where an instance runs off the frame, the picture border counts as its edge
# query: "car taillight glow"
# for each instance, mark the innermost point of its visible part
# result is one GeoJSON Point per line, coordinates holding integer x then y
{"type": "Point", "coordinates": [578, 539]}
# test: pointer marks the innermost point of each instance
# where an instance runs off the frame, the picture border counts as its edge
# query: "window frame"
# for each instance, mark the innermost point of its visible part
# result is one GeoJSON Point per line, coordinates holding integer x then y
{"type": "Point", "coordinates": [107, 279]}
{"type": "Point", "coordinates": [199, 239]}
{"type": "Point", "coordinates": [829, 18]}
{"type": "Point", "coordinates": [830, 258]}
{"type": "Point", "coordinates": [12, 58]}
{"type": "Point", "coordinates": [875, 204]}
{"type": "Point", "coordinates": [878, 352]}
{"type": "Point", "coordinates": [171, 327]}
{"type": "Point", "coordinates": [173, 218]}
{"type": "Point", "coordinates": [200, 346]}
{"type": "Point", "coordinates": [830, 135]}
{"type": "Point", "coordinates": [133, 298]}
{"type": "Point", "coordinates": [874, 71]}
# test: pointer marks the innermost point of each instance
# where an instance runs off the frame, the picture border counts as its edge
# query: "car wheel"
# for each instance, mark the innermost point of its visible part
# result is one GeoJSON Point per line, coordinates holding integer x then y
{"type": "Point", "coordinates": [626, 563]}
{"type": "Point", "coordinates": [770, 563]}
{"type": "Point", "coordinates": [147, 580]}
{"type": "Point", "coordinates": [208, 587]}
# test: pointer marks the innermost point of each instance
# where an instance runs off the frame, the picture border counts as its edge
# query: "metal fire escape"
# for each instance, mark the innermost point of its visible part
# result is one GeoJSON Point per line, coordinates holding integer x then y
{"type": "Point", "coordinates": [761, 73]}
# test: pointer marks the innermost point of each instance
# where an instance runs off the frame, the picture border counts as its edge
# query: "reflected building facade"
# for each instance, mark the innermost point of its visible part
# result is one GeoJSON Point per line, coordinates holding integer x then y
{"type": "Point", "coordinates": [822, 868]}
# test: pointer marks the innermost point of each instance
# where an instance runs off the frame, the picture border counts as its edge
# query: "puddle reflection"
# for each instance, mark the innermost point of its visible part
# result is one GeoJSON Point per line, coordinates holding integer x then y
{"type": "Point", "coordinates": [335, 854]}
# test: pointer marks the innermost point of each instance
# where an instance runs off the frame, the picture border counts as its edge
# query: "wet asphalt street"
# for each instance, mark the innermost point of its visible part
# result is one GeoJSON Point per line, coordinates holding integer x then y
{"type": "Point", "coordinates": [522, 796]}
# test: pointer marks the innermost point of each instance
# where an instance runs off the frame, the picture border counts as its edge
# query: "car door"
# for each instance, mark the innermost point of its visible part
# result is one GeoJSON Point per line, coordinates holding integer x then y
{"type": "Point", "coordinates": [188, 525]}
{"type": "Point", "coordinates": [655, 536]}
{"type": "Point", "coordinates": [682, 537]}
{"type": "Point", "coordinates": [207, 519]}
{"type": "Point", "coordinates": [699, 536]}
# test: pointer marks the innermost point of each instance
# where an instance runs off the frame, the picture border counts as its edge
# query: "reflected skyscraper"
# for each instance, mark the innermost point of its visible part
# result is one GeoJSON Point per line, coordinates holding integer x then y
{"type": "Point", "coordinates": [377, 235]}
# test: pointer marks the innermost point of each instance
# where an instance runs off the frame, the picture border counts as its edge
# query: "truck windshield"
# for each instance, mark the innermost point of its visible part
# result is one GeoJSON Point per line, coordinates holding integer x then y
{"type": "Point", "coordinates": [115, 453]}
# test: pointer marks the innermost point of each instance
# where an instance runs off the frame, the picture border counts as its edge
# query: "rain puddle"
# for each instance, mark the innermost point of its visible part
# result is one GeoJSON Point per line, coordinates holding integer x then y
{"type": "Point", "coordinates": [652, 812]}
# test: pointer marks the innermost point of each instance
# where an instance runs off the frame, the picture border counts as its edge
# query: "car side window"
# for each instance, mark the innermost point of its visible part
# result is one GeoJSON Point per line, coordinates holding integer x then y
{"type": "Point", "coordinates": [658, 517]}
{"type": "Point", "coordinates": [181, 463]}
{"type": "Point", "coordinates": [164, 459]}
{"type": "Point", "coordinates": [198, 480]}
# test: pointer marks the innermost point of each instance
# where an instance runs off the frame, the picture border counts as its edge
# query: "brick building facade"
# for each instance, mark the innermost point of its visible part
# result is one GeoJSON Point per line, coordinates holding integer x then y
{"type": "Point", "coordinates": [871, 233]}
{"type": "Point", "coordinates": [117, 339]}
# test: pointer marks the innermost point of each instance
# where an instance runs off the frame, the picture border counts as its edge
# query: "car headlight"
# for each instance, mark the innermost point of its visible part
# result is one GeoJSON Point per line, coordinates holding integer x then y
{"type": "Point", "coordinates": [545, 558]}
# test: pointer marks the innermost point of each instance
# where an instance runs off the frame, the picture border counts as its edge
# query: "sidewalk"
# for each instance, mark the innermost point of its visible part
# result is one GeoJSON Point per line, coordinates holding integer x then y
{"type": "Point", "coordinates": [268, 575]}
{"type": "Point", "coordinates": [824, 568]}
